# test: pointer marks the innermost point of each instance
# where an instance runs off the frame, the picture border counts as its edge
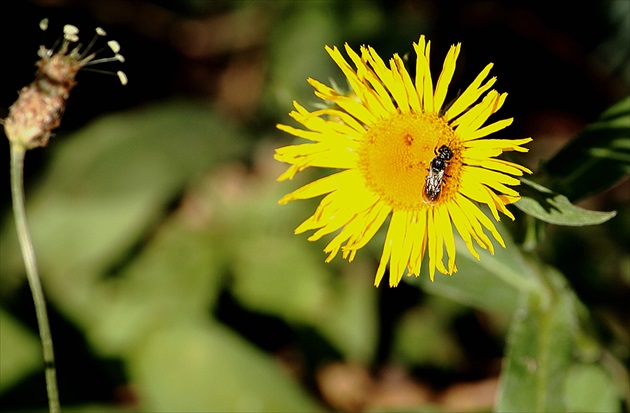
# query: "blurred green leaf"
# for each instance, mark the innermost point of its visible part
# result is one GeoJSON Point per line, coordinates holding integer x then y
{"type": "Point", "coordinates": [279, 274]}
{"type": "Point", "coordinates": [108, 184]}
{"type": "Point", "coordinates": [301, 31]}
{"type": "Point", "coordinates": [596, 159]}
{"type": "Point", "coordinates": [589, 389]}
{"type": "Point", "coordinates": [491, 283]}
{"type": "Point", "coordinates": [283, 278]}
{"type": "Point", "coordinates": [553, 208]}
{"type": "Point", "coordinates": [349, 319]}
{"type": "Point", "coordinates": [423, 335]}
{"type": "Point", "coordinates": [20, 351]}
{"type": "Point", "coordinates": [539, 351]}
{"type": "Point", "coordinates": [175, 277]}
{"type": "Point", "coordinates": [205, 367]}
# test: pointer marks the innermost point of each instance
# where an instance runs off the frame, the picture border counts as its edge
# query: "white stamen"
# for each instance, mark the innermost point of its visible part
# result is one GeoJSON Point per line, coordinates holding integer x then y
{"type": "Point", "coordinates": [70, 33]}
{"type": "Point", "coordinates": [85, 58]}
{"type": "Point", "coordinates": [71, 37]}
{"type": "Point", "coordinates": [74, 53]}
{"type": "Point", "coordinates": [122, 77]}
{"type": "Point", "coordinates": [113, 44]}
{"type": "Point", "coordinates": [43, 52]}
{"type": "Point", "coordinates": [70, 29]}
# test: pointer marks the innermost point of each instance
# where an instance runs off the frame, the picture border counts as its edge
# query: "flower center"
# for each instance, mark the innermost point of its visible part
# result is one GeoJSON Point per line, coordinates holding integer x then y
{"type": "Point", "coordinates": [396, 156]}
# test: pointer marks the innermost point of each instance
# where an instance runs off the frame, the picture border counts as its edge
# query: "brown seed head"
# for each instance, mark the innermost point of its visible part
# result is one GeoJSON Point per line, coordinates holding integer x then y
{"type": "Point", "coordinates": [41, 104]}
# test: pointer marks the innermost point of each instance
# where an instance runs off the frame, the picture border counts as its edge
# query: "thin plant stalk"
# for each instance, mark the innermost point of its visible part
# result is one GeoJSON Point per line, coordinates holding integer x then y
{"type": "Point", "coordinates": [28, 254]}
{"type": "Point", "coordinates": [30, 123]}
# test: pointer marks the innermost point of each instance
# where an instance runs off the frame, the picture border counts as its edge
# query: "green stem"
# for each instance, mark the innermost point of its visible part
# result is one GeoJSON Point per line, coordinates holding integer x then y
{"type": "Point", "coordinates": [28, 253]}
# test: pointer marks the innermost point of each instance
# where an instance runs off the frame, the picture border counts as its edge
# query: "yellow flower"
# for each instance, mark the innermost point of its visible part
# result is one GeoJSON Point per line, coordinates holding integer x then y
{"type": "Point", "coordinates": [404, 154]}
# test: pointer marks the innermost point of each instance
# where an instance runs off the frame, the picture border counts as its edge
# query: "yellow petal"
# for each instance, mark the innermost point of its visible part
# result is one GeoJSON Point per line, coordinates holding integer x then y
{"type": "Point", "coordinates": [471, 94]}
{"type": "Point", "coordinates": [445, 77]}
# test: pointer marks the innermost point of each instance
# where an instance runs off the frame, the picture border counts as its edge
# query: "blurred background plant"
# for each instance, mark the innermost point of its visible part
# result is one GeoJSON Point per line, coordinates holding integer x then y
{"type": "Point", "coordinates": [175, 282]}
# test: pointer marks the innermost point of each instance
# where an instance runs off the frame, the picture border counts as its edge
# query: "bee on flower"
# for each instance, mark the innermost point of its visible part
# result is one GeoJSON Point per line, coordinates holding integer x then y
{"type": "Point", "coordinates": [437, 173]}
{"type": "Point", "coordinates": [41, 104]}
{"type": "Point", "coordinates": [403, 155]}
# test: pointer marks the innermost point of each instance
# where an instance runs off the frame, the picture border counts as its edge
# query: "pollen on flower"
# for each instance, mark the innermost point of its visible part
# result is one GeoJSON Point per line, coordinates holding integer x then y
{"type": "Point", "coordinates": [71, 33]}
{"type": "Point", "coordinates": [113, 44]}
{"type": "Point", "coordinates": [396, 155]}
{"type": "Point", "coordinates": [40, 105]}
{"type": "Point", "coordinates": [122, 77]}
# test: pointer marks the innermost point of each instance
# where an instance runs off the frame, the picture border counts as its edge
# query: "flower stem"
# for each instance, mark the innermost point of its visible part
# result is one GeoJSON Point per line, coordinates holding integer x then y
{"type": "Point", "coordinates": [28, 254]}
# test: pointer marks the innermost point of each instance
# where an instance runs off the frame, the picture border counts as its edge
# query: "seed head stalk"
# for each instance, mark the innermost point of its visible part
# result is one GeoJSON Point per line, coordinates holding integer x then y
{"type": "Point", "coordinates": [32, 118]}
{"type": "Point", "coordinates": [28, 254]}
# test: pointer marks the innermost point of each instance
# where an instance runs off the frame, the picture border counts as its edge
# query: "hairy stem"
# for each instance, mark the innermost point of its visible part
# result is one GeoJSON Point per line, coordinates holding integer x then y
{"type": "Point", "coordinates": [28, 254]}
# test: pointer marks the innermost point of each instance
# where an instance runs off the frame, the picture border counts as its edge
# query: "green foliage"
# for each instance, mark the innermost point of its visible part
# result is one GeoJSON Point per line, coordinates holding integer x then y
{"type": "Point", "coordinates": [596, 159]}
{"type": "Point", "coordinates": [214, 367]}
{"type": "Point", "coordinates": [589, 388]}
{"type": "Point", "coordinates": [20, 351]}
{"type": "Point", "coordinates": [547, 206]}
{"type": "Point", "coordinates": [139, 280]}
{"type": "Point", "coordinates": [490, 283]}
{"type": "Point", "coordinates": [539, 354]}
{"type": "Point", "coordinates": [542, 370]}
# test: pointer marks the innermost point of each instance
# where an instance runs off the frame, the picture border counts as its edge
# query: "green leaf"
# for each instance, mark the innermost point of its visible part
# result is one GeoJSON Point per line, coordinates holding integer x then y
{"type": "Point", "coordinates": [175, 277]}
{"type": "Point", "coordinates": [20, 351]}
{"type": "Point", "coordinates": [207, 368]}
{"type": "Point", "coordinates": [279, 274]}
{"type": "Point", "coordinates": [474, 284]}
{"type": "Point", "coordinates": [539, 354]}
{"type": "Point", "coordinates": [107, 185]}
{"type": "Point", "coordinates": [111, 180]}
{"type": "Point", "coordinates": [491, 283]}
{"type": "Point", "coordinates": [589, 389]}
{"type": "Point", "coordinates": [297, 52]}
{"type": "Point", "coordinates": [596, 159]}
{"type": "Point", "coordinates": [548, 206]}
{"type": "Point", "coordinates": [423, 335]}
{"type": "Point", "coordinates": [353, 302]}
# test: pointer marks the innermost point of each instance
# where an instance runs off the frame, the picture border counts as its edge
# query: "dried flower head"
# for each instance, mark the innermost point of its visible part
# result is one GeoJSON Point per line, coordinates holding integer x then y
{"type": "Point", "coordinates": [41, 104]}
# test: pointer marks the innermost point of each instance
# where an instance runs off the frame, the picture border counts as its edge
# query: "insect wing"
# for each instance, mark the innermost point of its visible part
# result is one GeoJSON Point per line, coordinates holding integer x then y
{"type": "Point", "coordinates": [433, 185]}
